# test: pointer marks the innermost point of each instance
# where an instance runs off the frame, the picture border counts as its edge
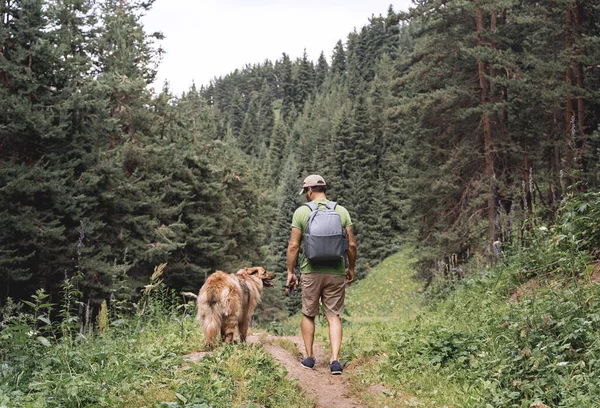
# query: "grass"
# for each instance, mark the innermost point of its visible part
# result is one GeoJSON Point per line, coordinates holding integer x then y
{"type": "Point", "coordinates": [141, 363]}
{"type": "Point", "coordinates": [466, 347]}
{"type": "Point", "coordinates": [389, 292]}
{"type": "Point", "coordinates": [473, 347]}
{"type": "Point", "coordinates": [289, 346]}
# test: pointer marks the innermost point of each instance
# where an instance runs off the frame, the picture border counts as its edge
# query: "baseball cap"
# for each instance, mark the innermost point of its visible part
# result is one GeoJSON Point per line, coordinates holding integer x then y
{"type": "Point", "coordinates": [311, 181]}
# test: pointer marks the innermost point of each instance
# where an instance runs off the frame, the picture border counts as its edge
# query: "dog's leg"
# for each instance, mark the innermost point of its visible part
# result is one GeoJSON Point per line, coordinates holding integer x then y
{"type": "Point", "coordinates": [210, 332]}
{"type": "Point", "coordinates": [230, 328]}
{"type": "Point", "coordinates": [211, 325]}
{"type": "Point", "coordinates": [243, 330]}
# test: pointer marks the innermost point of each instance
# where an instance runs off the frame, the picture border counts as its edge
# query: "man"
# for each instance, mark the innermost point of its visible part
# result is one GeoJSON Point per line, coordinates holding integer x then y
{"type": "Point", "coordinates": [320, 281]}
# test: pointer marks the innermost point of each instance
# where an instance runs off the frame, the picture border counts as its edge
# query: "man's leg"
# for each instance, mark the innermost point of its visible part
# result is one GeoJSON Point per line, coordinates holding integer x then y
{"type": "Point", "coordinates": [308, 333]}
{"type": "Point", "coordinates": [311, 292]}
{"type": "Point", "coordinates": [335, 336]}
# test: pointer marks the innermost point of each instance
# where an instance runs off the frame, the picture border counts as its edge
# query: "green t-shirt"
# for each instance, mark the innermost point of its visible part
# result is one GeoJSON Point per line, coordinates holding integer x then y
{"type": "Point", "coordinates": [299, 221]}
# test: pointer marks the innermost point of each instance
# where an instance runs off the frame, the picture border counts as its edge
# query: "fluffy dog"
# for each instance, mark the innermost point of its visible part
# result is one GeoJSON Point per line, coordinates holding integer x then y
{"type": "Point", "coordinates": [226, 303]}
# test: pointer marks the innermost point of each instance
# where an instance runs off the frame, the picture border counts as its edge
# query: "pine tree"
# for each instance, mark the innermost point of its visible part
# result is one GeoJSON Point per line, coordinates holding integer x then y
{"type": "Point", "coordinates": [321, 70]}
{"type": "Point", "coordinates": [277, 153]}
{"type": "Point", "coordinates": [249, 138]}
{"type": "Point", "coordinates": [266, 115]}
{"type": "Point", "coordinates": [287, 86]}
{"type": "Point", "coordinates": [46, 108]}
{"type": "Point", "coordinates": [304, 87]}
{"type": "Point", "coordinates": [338, 60]}
{"type": "Point", "coordinates": [288, 201]}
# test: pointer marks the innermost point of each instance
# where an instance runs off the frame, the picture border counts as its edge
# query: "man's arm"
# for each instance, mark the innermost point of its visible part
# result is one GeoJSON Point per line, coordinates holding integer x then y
{"type": "Point", "coordinates": [292, 255]}
{"type": "Point", "coordinates": [351, 252]}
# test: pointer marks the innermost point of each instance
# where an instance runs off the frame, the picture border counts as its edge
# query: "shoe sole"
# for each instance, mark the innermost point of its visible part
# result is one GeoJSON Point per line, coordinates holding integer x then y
{"type": "Point", "coordinates": [308, 368]}
{"type": "Point", "coordinates": [336, 373]}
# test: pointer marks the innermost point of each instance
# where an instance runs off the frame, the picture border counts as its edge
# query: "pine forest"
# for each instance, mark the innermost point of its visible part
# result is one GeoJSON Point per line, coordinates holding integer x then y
{"type": "Point", "coordinates": [458, 129]}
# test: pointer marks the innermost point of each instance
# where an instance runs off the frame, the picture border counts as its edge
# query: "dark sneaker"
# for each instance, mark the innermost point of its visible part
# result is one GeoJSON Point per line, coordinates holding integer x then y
{"type": "Point", "coordinates": [308, 362]}
{"type": "Point", "coordinates": [335, 367]}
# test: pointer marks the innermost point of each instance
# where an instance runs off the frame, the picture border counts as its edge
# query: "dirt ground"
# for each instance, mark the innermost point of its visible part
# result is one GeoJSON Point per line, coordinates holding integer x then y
{"type": "Point", "coordinates": [325, 389]}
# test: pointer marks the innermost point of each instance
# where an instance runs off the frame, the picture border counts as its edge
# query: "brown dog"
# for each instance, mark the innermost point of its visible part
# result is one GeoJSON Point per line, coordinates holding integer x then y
{"type": "Point", "coordinates": [226, 303]}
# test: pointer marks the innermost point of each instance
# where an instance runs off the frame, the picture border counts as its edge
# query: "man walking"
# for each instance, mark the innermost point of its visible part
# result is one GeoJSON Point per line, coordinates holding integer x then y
{"type": "Point", "coordinates": [323, 280]}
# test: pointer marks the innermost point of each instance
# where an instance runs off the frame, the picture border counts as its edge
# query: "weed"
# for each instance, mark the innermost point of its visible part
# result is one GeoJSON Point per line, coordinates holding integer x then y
{"type": "Point", "coordinates": [138, 362]}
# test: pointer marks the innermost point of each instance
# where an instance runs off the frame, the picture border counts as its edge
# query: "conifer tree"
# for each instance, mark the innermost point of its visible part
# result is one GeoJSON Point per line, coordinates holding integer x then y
{"type": "Point", "coordinates": [277, 153]}
{"type": "Point", "coordinates": [266, 115]}
{"type": "Point", "coordinates": [341, 159]}
{"type": "Point", "coordinates": [287, 86]}
{"type": "Point", "coordinates": [288, 201]}
{"type": "Point", "coordinates": [249, 138]}
{"type": "Point", "coordinates": [236, 113]}
{"type": "Point", "coordinates": [338, 59]}
{"type": "Point", "coordinates": [321, 70]}
{"type": "Point", "coordinates": [43, 112]}
{"type": "Point", "coordinates": [305, 83]}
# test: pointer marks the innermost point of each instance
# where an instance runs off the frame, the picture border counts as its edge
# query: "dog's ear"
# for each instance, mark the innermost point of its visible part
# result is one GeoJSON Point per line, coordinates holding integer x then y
{"type": "Point", "coordinates": [254, 270]}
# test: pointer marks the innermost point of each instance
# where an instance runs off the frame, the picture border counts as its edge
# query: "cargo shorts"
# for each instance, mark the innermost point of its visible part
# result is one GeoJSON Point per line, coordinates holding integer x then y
{"type": "Point", "coordinates": [329, 288]}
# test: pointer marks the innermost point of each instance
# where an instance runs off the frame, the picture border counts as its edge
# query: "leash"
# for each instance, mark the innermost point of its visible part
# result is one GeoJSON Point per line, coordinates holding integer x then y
{"type": "Point", "coordinates": [291, 290]}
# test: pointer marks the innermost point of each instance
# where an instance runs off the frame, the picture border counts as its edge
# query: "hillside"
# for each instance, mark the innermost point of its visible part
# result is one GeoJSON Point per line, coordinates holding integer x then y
{"type": "Point", "coordinates": [450, 126]}
{"type": "Point", "coordinates": [524, 332]}
{"type": "Point", "coordinates": [465, 132]}
{"type": "Point", "coordinates": [389, 292]}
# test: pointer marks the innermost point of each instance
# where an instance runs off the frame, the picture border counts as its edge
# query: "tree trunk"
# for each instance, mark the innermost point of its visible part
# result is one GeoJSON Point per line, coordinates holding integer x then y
{"type": "Point", "coordinates": [554, 140]}
{"type": "Point", "coordinates": [579, 72]}
{"type": "Point", "coordinates": [487, 137]}
{"type": "Point", "coordinates": [569, 116]}
{"type": "Point", "coordinates": [4, 16]}
{"type": "Point", "coordinates": [582, 142]}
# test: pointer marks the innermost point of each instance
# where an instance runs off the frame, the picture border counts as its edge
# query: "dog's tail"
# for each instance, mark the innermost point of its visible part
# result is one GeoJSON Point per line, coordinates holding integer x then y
{"type": "Point", "coordinates": [213, 304]}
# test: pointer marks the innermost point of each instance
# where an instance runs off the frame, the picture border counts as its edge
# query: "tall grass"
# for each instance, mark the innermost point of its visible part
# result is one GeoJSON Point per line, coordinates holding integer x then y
{"type": "Point", "coordinates": [474, 346]}
{"type": "Point", "coordinates": [136, 361]}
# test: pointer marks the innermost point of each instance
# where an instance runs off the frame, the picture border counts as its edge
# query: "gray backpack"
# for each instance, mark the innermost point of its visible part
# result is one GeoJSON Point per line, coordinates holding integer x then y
{"type": "Point", "coordinates": [325, 239]}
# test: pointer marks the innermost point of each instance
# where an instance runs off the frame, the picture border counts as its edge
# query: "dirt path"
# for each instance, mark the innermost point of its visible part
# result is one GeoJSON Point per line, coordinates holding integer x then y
{"type": "Point", "coordinates": [326, 389]}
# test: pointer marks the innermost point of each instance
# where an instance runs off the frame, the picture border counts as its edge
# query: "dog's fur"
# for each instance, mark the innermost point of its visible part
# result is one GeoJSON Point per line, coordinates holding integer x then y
{"type": "Point", "coordinates": [226, 303]}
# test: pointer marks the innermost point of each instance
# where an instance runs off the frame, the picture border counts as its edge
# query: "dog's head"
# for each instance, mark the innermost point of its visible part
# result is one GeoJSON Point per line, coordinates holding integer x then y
{"type": "Point", "coordinates": [260, 273]}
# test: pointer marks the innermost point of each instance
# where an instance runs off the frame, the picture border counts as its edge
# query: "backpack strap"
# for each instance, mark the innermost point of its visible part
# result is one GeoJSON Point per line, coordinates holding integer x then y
{"type": "Point", "coordinates": [312, 206]}
{"type": "Point", "coordinates": [330, 205]}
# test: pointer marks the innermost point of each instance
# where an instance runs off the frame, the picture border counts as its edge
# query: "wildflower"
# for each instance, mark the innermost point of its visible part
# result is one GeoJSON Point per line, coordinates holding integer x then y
{"type": "Point", "coordinates": [542, 228]}
{"type": "Point", "coordinates": [562, 363]}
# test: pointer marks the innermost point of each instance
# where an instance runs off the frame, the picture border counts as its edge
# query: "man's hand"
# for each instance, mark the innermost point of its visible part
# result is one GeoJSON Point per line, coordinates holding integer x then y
{"type": "Point", "coordinates": [349, 276]}
{"type": "Point", "coordinates": [292, 280]}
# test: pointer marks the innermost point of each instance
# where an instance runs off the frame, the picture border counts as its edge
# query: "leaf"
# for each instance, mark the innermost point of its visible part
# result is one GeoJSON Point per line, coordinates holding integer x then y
{"type": "Point", "coordinates": [43, 341]}
{"type": "Point", "coordinates": [181, 398]}
{"type": "Point", "coordinates": [45, 320]}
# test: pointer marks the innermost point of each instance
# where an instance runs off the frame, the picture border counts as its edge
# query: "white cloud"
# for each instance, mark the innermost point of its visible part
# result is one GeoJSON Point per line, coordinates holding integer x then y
{"type": "Point", "coordinates": [209, 38]}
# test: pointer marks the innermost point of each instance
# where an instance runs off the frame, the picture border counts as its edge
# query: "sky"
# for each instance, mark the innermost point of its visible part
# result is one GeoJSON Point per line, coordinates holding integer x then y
{"type": "Point", "coordinates": [211, 38]}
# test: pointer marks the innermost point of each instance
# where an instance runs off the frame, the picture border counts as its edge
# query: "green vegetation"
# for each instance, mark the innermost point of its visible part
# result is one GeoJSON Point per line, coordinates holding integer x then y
{"type": "Point", "coordinates": [134, 362]}
{"type": "Point", "coordinates": [449, 125]}
{"type": "Point", "coordinates": [468, 131]}
{"type": "Point", "coordinates": [526, 330]}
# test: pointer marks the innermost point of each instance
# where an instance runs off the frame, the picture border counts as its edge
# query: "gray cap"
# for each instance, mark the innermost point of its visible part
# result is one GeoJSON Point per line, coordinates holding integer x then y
{"type": "Point", "coordinates": [312, 181]}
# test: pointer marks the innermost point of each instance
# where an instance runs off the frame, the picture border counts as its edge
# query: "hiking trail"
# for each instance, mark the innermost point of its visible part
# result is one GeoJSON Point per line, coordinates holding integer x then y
{"type": "Point", "coordinates": [325, 389]}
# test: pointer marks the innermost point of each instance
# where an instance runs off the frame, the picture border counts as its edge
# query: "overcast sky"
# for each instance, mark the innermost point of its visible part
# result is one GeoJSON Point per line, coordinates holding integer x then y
{"type": "Point", "coordinates": [210, 38]}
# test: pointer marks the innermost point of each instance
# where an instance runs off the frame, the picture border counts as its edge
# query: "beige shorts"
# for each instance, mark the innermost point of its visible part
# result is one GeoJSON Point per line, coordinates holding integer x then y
{"type": "Point", "coordinates": [329, 288]}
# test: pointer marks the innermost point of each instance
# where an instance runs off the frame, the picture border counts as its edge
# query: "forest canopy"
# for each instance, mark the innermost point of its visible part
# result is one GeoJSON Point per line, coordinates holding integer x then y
{"type": "Point", "coordinates": [455, 126]}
